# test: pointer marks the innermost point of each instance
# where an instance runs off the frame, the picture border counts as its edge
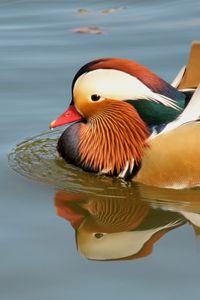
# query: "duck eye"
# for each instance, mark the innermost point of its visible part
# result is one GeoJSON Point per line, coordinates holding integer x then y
{"type": "Point", "coordinates": [98, 235]}
{"type": "Point", "coordinates": [95, 97]}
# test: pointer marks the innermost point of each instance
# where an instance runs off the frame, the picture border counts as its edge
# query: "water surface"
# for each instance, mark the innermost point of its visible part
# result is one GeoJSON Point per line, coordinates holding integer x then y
{"type": "Point", "coordinates": [53, 206]}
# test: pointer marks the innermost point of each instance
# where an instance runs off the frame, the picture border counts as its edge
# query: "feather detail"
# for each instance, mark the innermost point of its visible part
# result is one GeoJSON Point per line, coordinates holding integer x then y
{"type": "Point", "coordinates": [193, 218]}
{"type": "Point", "coordinates": [113, 140]}
{"type": "Point", "coordinates": [146, 81]}
{"type": "Point", "coordinates": [175, 83]}
{"type": "Point", "coordinates": [190, 114]}
{"type": "Point", "coordinates": [158, 98]}
{"type": "Point", "coordinates": [124, 172]}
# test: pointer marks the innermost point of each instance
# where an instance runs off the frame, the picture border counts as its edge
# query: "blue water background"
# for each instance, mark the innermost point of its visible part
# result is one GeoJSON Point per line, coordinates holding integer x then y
{"type": "Point", "coordinates": [39, 54]}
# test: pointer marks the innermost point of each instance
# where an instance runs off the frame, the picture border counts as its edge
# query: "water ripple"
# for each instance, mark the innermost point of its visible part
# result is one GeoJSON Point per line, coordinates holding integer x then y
{"type": "Point", "coordinates": [36, 158]}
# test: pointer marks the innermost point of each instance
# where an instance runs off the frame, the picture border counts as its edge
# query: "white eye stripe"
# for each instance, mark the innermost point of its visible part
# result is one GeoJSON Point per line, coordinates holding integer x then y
{"type": "Point", "coordinates": [110, 83]}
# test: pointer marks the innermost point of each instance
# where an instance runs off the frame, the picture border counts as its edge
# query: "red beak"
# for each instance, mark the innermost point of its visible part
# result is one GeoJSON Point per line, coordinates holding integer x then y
{"type": "Point", "coordinates": [69, 116]}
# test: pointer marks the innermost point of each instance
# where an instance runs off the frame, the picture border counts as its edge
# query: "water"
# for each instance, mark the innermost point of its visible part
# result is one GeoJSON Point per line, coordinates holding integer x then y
{"type": "Point", "coordinates": [42, 219]}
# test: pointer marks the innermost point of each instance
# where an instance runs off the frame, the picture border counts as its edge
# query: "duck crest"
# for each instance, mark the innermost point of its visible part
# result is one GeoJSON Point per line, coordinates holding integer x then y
{"type": "Point", "coordinates": [149, 78]}
{"type": "Point", "coordinates": [113, 140]}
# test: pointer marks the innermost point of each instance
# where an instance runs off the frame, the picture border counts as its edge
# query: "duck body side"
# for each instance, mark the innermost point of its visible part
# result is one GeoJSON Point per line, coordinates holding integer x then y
{"type": "Point", "coordinates": [172, 159]}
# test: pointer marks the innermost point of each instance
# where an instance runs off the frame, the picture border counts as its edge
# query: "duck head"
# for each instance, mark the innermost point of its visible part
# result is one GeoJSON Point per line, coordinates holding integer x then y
{"type": "Point", "coordinates": [112, 131]}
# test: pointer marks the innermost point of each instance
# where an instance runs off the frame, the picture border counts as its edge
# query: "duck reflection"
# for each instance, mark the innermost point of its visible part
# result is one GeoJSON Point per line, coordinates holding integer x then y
{"type": "Point", "coordinates": [122, 222]}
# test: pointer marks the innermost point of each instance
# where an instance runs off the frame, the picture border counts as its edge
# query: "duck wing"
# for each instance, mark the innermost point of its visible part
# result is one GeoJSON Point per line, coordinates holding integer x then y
{"type": "Point", "coordinates": [190, 114]}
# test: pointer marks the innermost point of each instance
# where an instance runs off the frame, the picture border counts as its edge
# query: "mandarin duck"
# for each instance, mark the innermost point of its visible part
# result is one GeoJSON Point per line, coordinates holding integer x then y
{"type": "Point", "coordinates": [132, 124]}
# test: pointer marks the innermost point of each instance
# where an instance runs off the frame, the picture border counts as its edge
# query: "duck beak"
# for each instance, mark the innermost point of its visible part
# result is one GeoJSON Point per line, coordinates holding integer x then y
{"type": "Point", "coordinates": [69, 116]}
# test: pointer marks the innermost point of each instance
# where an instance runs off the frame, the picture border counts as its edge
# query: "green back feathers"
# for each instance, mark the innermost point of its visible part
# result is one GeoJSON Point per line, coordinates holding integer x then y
{"type": "Point", "coordinates": [155, 113]}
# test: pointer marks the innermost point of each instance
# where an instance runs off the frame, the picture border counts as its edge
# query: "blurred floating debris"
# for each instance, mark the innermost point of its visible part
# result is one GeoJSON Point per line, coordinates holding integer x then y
{"type": "Point", "coordinates": [112, 10]}
{"type": "Point", "coordinates": [89, 30]}
{"type": "Point", "coordinates": [83, 11]}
